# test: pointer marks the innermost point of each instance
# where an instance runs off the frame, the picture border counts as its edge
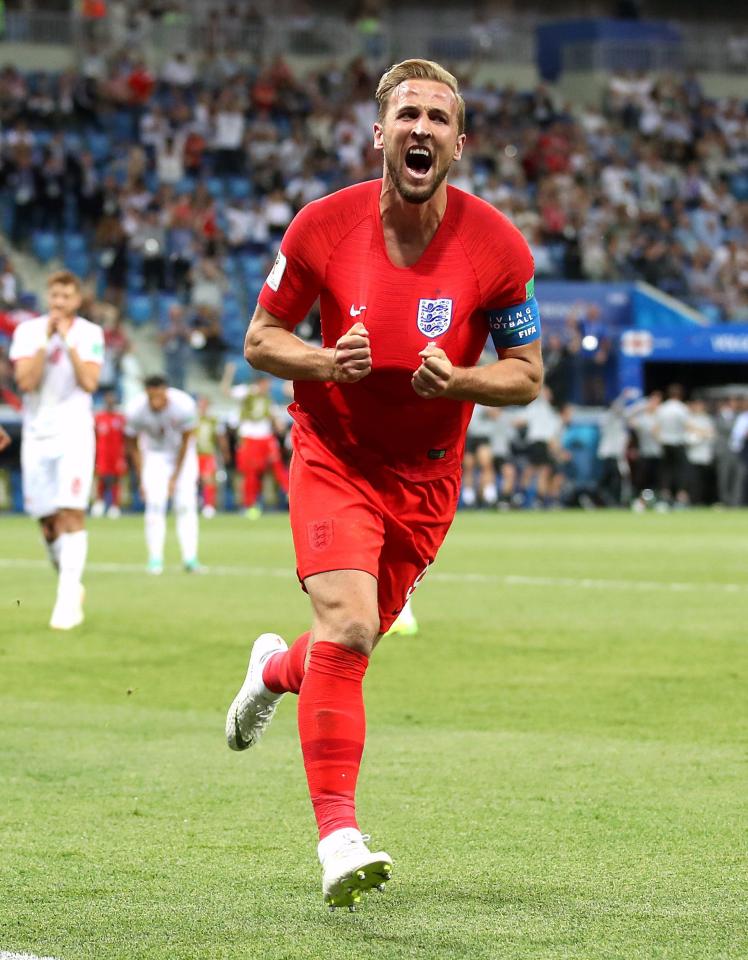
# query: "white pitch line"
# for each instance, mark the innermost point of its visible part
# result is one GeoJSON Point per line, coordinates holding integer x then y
{"type": "Point", "coordinates": [509, 580]}
{"type": "Point", "coordinates": [4, 955]}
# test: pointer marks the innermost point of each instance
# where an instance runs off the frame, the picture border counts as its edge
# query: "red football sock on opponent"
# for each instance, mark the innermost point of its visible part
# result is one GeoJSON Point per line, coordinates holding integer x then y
{"type": "Point", "coordinates": [284, 672]}
{"type": "Point", "coordinates": [332, 729]}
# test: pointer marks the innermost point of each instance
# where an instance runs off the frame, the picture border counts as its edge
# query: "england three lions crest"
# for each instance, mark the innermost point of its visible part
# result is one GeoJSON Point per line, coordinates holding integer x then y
{"type": "Point", "coordinates": [434, 317]}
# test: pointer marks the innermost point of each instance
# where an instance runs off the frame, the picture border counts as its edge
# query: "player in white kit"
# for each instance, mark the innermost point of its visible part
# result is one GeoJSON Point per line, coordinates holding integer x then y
{"type": "Point", "coordinates": [57, 361]}
{"type": "Point", "coordinates": [160, 434]}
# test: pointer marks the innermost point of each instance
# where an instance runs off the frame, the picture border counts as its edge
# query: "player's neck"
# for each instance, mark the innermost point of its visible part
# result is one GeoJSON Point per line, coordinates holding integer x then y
{"type": "Point", "coordinates": [409, 227]}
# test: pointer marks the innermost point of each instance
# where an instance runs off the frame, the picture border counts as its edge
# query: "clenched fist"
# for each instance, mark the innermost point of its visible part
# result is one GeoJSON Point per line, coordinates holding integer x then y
{"type": "Point", "coordinates": [434, 375]}
{"type": "Point", "coordinates": [352, 355]}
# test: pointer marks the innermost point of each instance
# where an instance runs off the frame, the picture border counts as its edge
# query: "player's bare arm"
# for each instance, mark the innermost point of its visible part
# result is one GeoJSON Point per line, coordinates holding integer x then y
{"type": "Point", "coordinates": [5, 440]}
{"type": "Point", "coordinates": [271, 347]}
{"type": "Point", "coordinates": [183, 447]}
{"type": "Point", "coordinates": [87, 372]}
{"type": "Point", "coordinates": [28, 371]}
{"type": "Point", "coordinates": [515, 378]}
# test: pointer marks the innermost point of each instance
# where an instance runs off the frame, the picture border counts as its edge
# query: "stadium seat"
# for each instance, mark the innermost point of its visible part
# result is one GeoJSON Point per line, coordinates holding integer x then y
{"type": "Point", "coordinates": [44, 245]}
{"type": "Point", "coordinates": [215, 187]}
{"type": "Point", "coordinates": [100, 146]}
{"type": "Point", "coordinates": [239, 188]}
{"type": "Point", "coordinates": [78, 261]}
{"type": "Point", "coordinates": [184, 186]}
{"type": "Point", "coordinates": [165, 302]}
{"type": "Point", "coordinates": [139, 309]}
{"type": "Point", "coordinates": [253, 267]}
{"type": "Point", "coordinates": [739, 186]}
{"type": "Point", "coordinates": [73, 242]}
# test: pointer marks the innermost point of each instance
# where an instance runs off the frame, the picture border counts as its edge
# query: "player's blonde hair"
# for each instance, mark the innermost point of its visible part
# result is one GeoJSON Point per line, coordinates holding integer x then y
{"type": "Point", "coordinates": [65, 277]}
{"type": "Point", "coordinates": [419, 70]}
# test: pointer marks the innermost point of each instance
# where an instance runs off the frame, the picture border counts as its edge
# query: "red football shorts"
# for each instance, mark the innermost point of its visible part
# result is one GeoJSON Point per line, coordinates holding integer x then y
{"type": "Point", "coordinates": [346, 518]}
{"type": "Point", "coordinates": [256, 454]}
{"type": "Point", "coordinates": [206, 463]}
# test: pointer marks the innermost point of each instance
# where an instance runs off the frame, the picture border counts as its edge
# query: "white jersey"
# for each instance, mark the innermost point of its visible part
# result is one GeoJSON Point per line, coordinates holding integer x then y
{"type": "Point", "coordinates": [59, 406]}
{"type": "Point", "coordinates": [161, 431]}
{"type": "Point", "coordinates": [671, 419]}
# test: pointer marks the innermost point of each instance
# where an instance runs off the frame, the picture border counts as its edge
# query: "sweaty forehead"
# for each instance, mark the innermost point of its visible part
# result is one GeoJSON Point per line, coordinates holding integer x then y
{"type": "Point", "coordinates": [428, 92]}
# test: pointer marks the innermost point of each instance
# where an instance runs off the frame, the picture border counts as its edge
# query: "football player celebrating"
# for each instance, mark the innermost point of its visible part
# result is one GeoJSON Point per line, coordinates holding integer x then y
{"type": "Point", "coordinates": [411, 275]}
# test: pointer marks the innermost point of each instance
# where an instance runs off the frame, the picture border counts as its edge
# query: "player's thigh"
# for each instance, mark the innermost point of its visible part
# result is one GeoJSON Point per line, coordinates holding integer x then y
{"type": "Point", "coordinates": [418, 518]}
{"type": "Point", "coordinates": [345, 607]}
{"type": "Point", "coordinates": [335, 521]}
{"type": "Point", "coordinates": [39, 471]}
{"type": "Point", "coordinates": [155, 480]}
{"type": "Point", "coordinates": [75, 473]}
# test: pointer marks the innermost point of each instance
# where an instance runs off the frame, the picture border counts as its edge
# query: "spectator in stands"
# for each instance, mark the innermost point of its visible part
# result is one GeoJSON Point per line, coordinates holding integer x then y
{"type": "Point", "coordinates": [149, 239]}
{"type": "Point", "coordinates": [23, 188]}
{"type": "Point", "coordinates": [175, 343]}
{"type": "Point", "coordinates": [209, 283]}
{"type": "Point", "coordinates": [110, 249]}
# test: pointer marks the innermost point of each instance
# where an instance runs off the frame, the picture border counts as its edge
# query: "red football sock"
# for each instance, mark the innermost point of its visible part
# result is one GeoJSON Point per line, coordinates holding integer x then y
{"type": "Point", "coordinates": [332, 729]}
{"type": "Point", "coordinates": [284, 672]}
{"type": "Point", "coordinates": [209, 494]}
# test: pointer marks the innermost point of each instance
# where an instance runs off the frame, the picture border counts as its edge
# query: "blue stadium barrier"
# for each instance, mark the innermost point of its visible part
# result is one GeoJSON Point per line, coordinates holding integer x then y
{"type": "Point", "coordinates": [44, 245]}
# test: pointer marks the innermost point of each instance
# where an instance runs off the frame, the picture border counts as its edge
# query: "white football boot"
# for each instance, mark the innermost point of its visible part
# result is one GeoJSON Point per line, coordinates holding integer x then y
{"type": "Point", "coordinates": [254, 705]}
{"type": "Point", "coordinates": [350, 869]}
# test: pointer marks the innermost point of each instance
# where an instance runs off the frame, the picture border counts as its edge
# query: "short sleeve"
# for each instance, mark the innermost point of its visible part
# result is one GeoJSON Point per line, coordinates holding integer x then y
{"type": "Point", "coordinates": [26, 341]}
{"type": "Point", "coordinates": [297, 276]}
{"type": "Point", "coordinates": [513, 312]}
{"type": "Point", "coordinates": [132, 423]}
{"type": "Point", "coordinates": [91, 346]}
{"type": "Point", "coordinates": [187, 414]}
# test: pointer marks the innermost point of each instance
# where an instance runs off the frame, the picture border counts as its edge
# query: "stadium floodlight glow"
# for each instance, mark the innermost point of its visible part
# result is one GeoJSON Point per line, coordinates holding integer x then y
{"type": "Point", "coordinates": [589, 342]}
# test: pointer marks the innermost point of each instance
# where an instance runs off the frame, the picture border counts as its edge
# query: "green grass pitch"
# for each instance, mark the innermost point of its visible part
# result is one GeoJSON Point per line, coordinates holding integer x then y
{"type": "Point", "coordinates": [557, 762]}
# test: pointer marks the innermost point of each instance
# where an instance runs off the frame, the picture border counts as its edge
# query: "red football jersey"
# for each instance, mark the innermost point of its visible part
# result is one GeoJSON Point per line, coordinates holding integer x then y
{"type": "Point", "coordinates": [334, 249]}
{"type": "Point", "coordinates": [110, 435]}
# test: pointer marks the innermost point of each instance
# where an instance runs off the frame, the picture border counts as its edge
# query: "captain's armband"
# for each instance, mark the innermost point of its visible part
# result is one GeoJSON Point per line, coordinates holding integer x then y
{"type": "Point", "coordinates": [515, 326]}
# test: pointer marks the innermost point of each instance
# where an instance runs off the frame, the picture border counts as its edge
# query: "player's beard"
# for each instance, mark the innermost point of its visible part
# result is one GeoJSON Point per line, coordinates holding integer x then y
{"type": "Point", "coordinates": [413, 193]}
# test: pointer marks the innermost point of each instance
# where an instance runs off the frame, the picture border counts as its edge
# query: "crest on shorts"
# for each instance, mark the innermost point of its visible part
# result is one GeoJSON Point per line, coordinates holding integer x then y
{"type": "Point", "coordinates": [434, 316]}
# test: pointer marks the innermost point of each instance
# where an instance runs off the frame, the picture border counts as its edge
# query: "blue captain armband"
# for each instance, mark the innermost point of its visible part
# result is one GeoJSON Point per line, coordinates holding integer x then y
{"type": "Point", "coordinates": [515, 326]}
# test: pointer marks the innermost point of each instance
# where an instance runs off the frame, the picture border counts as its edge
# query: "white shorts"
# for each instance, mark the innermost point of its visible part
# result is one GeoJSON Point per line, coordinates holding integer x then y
{"type": "Point", "coordinates": [57, 472]}
{"type": "Point", "coordinates": [157, 469]}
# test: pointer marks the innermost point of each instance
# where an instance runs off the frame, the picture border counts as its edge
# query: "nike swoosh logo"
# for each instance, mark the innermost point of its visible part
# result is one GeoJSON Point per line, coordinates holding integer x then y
{"type": "Point", "coordinates": [355, 312]}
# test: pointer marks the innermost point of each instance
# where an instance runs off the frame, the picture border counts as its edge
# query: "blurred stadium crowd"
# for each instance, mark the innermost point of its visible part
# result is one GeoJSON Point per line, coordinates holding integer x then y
{"type": "Point", "coordinates": [168, 190]}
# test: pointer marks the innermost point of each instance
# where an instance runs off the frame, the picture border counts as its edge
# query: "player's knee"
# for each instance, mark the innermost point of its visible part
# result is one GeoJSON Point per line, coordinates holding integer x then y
{"type": "Point", "coordinates": [358, 633]}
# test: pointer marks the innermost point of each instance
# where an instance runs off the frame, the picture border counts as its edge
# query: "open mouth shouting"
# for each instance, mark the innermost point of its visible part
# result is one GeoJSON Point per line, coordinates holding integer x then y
{"type": "Point", "coordinates": [418, 161]}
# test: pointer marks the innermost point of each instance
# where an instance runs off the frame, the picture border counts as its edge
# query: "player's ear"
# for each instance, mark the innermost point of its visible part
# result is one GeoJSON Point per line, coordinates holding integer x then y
{"type": "Point", "coordinates": [459, 146]}
{"type": "Point", "coordinates": [378, 136]}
